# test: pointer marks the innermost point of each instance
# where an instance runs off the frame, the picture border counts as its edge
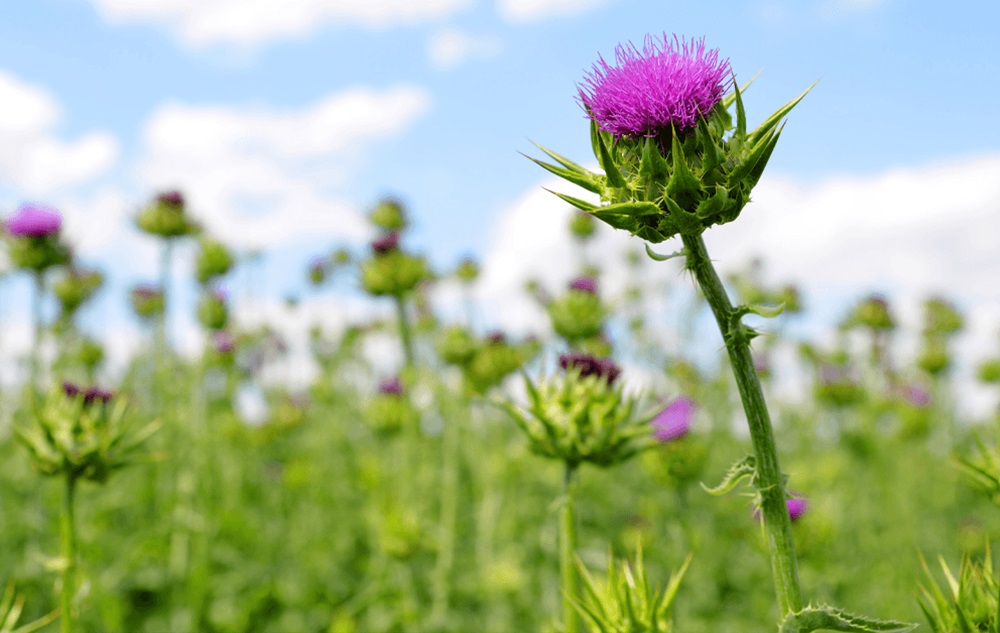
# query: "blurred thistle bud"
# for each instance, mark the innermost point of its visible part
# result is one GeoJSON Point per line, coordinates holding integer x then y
{"type": "Point", "coordinates": [582, 225]}
{"type": "Point", "coordinates": [317, 270]}
{"type": "Point", "coordinates": [389, 410]}
{"type": "Point", "coordinates": [456, 346]}
{"type": "Point", "coordinates": [467, 270]}
{"type": "Point", "coordinates": [389, 215]}
{"type": "Point", "coordinates": [213, 259]}
{"type": "Point", "coordinates": [33, 238]}
{"type": "Point", "coordinates": [147, 301]}
{"type": "Point", "coordinates": [88, 353]}
{"type": "Point", "coordinates": [578, 314]}
{"type": "Point", "coordinates": [75, 288]}
{"type": "Point", "coordinates": [941, 317]}
{"type": "Point", "coordinates": [390, 271]}
{"type": "Point", "coordinates": [989, 371]}
{"type": "Point", "coordinates": [838, 385]}
{"type": "Point", "coordinates": [223, 342]}
{"type": "Point", "coordinates": [492, 361]}
{"type": "Point", "coordinates": [341, 257]}
{"type": "Point", "coordinates": [912, 404]}
{"type": "Point", "coordinates": [213, 313]}
{"type": "Point", "coordinates": [579, 416]}
{"type": "Point", "coordinates": [935, 357]}
{"type": "Point", "coordinates": [673, 160]}
{"type": "Point", "coordinates": [626, 599]}
{"type": "Point", "coordinates": [166, 217]}
{"type": "Point", "coordinates": [82, 433]}
{"type": "Point", "coordinates": [790, 297]}
{"type": "Point", "coordinates": [762, 363]}
{"type": "Point", "coordinates": [872, 313]}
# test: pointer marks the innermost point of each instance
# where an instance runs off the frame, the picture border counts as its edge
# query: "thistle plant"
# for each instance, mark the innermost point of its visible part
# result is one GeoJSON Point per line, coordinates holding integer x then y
{"type": "Point", "coordinates": [11, 607]}
{"type": "Point", "coordinates": [676, 162]}
{"type": "Point", "coordinates": [579, 417]}
{"type": "Point", "coordinates": [80, 435]}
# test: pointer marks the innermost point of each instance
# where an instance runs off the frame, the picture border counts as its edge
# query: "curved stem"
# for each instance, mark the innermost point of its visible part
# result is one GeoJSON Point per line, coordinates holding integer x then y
{"type": "Point", "coordinates": [67, 533]}
{"type": "Point", "coordinates": [769, 480]}
{"type": "Point", "coordinates": [405, 334]}
{"type": "Point", "coordinates": [570, 579]}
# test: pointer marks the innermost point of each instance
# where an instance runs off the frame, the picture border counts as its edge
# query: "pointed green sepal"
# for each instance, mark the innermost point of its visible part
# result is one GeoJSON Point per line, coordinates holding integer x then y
{"type": "Point", "coordinates": [713, 206]}
{"type": "Point", "coordinates": [686, 223]}
{"type": "Point", "coordinates": [653, 165]}
{"type": "Point", "coordinates": [826, 618]}
{"type": "Point", "coordinates": [746, 467]}
{"type": "Point", "coordinates": [583, 205]}
{"type": "Point", "coordinates": [772, 121]}
{"type": "Point", "coordinates": [683, 185]}
{"type": "Point", "coordinates": [562, 160]}
{"type": "Point", "coordinates": [590, 183]}
{"type": "Point", "coordinates": [614, 177]}
{"type": "Point", "coordinates": [729, 98]}
{"type": "Point", "coordinates": [741, 113]}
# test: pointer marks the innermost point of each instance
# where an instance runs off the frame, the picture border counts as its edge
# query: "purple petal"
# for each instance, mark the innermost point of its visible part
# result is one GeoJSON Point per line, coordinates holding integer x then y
{"type": "Point", "coordinates": [674, 422]}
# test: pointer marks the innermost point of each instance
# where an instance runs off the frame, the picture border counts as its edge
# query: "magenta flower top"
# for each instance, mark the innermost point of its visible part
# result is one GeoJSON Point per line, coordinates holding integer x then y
{"type": "Point", "coordinates": [584, 284]}
{"type": "Point", "coordinates": [90, 394]}
{"type": "Point", "coordinates": [386, 243]}
{"type": "Point", "coordinates": [589, 365]}
{"type": "Point", "coordinates": [34, 220]}
{"type": "Point", "coordinates": [391, 386]}
{"type": "Point", "coordinates": [172, 198]}
{"type": "Point", "coordinates": [670, 84]}
{"type": "Point", "coordinates": [674, 422]}
{"type": "Point", "coordinates": [223, 342]}
{"type": "Point", "coordinates": [797, 506]}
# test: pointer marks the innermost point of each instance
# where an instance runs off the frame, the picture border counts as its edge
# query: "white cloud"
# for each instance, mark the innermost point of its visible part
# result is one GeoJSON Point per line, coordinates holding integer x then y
{"type": "Point", "coordinates": [34, 161]}
{"type": "Point", "coordinates": [260, 177]}
{"type": "Point", "coordinates": [450, 47]}
{"type": "Point", "coordinates": [249, 22]}
{"type": "Point", "coordinates": [533, 10]}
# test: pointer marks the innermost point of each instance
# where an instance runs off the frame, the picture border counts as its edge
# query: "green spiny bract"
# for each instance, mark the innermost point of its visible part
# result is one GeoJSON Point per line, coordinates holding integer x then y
{"type": "Point", "coordinates": [656, 190]}
{"type": "Point", "coordinates": [82, 437]}
{"type": "Point", "coordinates": [581, 419]}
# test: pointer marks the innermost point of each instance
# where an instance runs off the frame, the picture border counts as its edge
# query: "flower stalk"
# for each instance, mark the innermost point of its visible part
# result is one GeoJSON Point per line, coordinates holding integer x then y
{"type": "Point", "coordinates": [768, 481]}
{"type": "Point", "coordinates": [67, 534]}
{"type": "Point", "coordinates": [568, 575]}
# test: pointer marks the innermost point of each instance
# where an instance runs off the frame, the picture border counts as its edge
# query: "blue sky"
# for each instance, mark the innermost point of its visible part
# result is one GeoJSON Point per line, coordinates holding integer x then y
{"type": "Point", "coordinates": [283, 121]}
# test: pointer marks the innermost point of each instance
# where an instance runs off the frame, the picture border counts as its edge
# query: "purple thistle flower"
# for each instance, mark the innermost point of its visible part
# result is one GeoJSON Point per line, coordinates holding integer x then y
{"type": "Point", "coordinates": [584, 284]}
{"type": "Point", "coordinates": [386, 243]}
{"type": "Point", "coordinates": [667, 86]}
{"type": "Point", "coordinates": [797, 506]}
{"type": "Point", "coordinates": [589, 365]}
{"type": "Point", "coordinates": [223, 342]}
{"type": "Point", "coordinates": [34, 220]}
{"type": "Point", "coordinates": [674, 422]}
{"type": "Point", "coordinates": [391, 386]}
{"type": "Point", "coordinates": [496, 337]}
{"type": "Point", "coordinates": [172, 198]}
{"type": "Point", "coordinates": [90, 394]}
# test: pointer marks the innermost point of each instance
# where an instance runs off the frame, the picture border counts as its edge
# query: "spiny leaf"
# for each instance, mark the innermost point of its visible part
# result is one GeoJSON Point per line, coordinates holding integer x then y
{"type": "Point", "coordinates": [746, 467]}
{"type": "Point", "coordinates": [741, 113]}
{"type": "Point", "coordinates": [587, 182]}
{"type": "Point", "coordinates": [562, 160]}
{"type": "Point", "coordinates": [615, 178]}
{"type": "Point", "coordinates": [662, 258]}
{"type": "Point", "coordinates": [682, 184]}
{"type": "Point", "coordinates": [827, 618]}
{"type": "Point", "coordinates": [778, 114]}
{"type": "Point", "coordinates": [583, 205]}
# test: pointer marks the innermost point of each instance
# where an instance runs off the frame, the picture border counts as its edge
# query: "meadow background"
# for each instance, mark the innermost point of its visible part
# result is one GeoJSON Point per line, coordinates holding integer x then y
{"type": "Point", "coordinates": [274, 505]}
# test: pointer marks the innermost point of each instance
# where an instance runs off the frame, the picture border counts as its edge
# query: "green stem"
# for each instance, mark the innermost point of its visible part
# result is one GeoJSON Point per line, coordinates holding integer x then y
{"type": "Point", "coordinates": [405, 333]}
{"type": "Point", "coordinates": [769, 480]}
{"type": "Point", "coordinates": [67, 533]}
{"type": "Point", "coordinates": [161, 342]}
{"type": "Point", "coordinates": [36, 316]}
{"type": "Point", "coordinates": [570, 579]}
{"type": "Point", "coordinates": [450, 446]}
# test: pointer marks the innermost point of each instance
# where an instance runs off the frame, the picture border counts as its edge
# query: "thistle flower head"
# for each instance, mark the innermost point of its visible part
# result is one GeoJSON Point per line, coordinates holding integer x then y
{"type": "Point", "coordinates": [223, 342]}
{"type": "Point", "coordinates": [89, 394]}
{"type": "Point", "coordinates": [667, 86]}
{"type": "Point", "coordinates": [674, 422]}
{"type": "Point", "coordinates": [584, 284]}
{"type": "Point", "coordinates": [34, 220]}
{"type": "Point", "coordinates": [391, 386]}
{"type": "Point", "coordinates": [172, 198]}
{"type": "Point", "coordinates": [386, 243]}
{"type": "Point", "coordinates": [797, 506]}
{"type": "Point", "coordinates": [589, 365]}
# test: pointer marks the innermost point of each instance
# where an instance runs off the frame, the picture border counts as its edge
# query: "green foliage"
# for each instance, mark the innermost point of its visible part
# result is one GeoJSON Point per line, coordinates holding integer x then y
{"type": "Point", "coordinates": [967, 604]}
{"type": "Point", "coordinates": [826, 618]}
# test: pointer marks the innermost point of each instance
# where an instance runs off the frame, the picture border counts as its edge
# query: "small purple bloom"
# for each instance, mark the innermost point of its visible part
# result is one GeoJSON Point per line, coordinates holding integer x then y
{"type": "Point", "coordinates": [391, 386]}
{"type": "Point", "coordinates": [34, 220]}
{"type": "Point", "coordinates": [223, 342]}
{"type": "Point", "coordinates": [674, 422]}
{"type": "Point", "coordinates": [918, 396]}
{"type": "Point", "coordinates": [584, 284]}
{"type": "Point", "coordinates": [496, 337]}
{"type": "Point", "coordinates": [589, 365]}
{"type": "Point", "coordinates": [386, 243]}
{"type": "Point", "coordinates": [220, 293]}
{"type": "Point", "coordinates": [797, 506]}
{"type": "Point", "coordinates": [667, 86]}
{"type": "Point", "coordinates": [172, 198]}
{"type": "Point", "coordinates": [90, 394]}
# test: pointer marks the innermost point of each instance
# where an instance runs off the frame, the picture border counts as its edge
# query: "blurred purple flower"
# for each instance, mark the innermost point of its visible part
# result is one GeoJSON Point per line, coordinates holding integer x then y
{"type": "Point", "coordinates": [90, 394]}
{"type": "Point", "coordinates": [223, 342]}
{"type": "Point", "coordinates": [34, 220]}
{"type": "Point", "coordinates": [584, 284]}
{"type": "Point", "coordinates": [797, 506]}
{"type": "Point", "coordinates": [674, 422]}
{"type": "Point", "coordinates": [496, 337]}
{"type": "Point", "coordinates": [589, 365]}
{"type": "Point", "coordinates": [173, 198]}
{"type": "Point", "coordinates": [386, 243]}
{"type": "Point", "coordinates": [669, 85]}
{"type": "Point", "coordinates": [391, 386]}
{"type": "Point", "coordinates": [918, 396]}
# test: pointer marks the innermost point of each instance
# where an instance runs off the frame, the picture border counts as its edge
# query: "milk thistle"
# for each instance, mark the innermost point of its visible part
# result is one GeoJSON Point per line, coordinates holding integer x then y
{"type": "Point", "coordinates": [675, 163]}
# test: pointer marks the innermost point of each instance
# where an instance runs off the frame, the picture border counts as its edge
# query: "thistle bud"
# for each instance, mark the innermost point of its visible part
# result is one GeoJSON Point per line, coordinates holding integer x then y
{"type": "Point", "coordinates": [390, 271]}
{"type": "Point", "coordinates": [75, 288]}
{"type": "Point", "coordinates": [166, 217]}
{"type": "Point", "coordinates": [389, 215]}
{"type": "Point", "coordinates": [578, 314]}
{"type": "Point", "coordinates": [33, 236]}
{"type": "Point", "coordinates": [147, 301]}
{"type": "Point", "coordinates": [212, 260]}
{"type": "Point", "coordinates": [213, 313]}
